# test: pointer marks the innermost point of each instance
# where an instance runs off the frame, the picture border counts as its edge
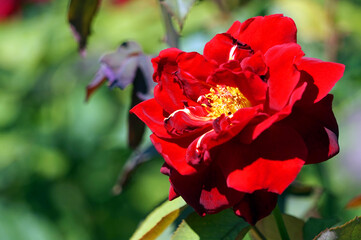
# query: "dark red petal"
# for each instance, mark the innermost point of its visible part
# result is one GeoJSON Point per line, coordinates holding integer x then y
{"type": "Point", "coordinates": [283, 74]}
{"type": "Point", "coordinates": [224, 130]}
{"type": "Point", "coordinates": [151, 113]}
{"type": "Point", "coordinates": [262, 33]}
{"type": "Point", "coordinates": [173, 153]}
{"type": "Point", "coordinates": [256, 206]}
{"type": "Point", "coordinates": [318, 128]}
{"type": "Point", "coordinates": [324, 74]}
{"type": "Point", "coordinates": [333, 147]}
{"type": "Point", "coordinates": [255, 64]}
{"type": "Point", "coordinates": [206, 191]}
{"type": "Point", "coordinates": [196, 65]}
{"type": "Point", "coordinates": [165, 169]}
{"type": "Point", "coordinates": [189, 187]}
{"type": "Point", "coordinates": [172, 194]}
{"type": "Point", "coordinates": [271, 162]}
{"type": "Point", "coordinates": [212, 200]}
{"type": "Point", "coordinates": [215, 194]}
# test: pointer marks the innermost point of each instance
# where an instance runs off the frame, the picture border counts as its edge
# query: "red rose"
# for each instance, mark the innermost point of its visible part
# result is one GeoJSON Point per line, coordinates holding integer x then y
{"type": "Point", "coordinates": [236, 124]}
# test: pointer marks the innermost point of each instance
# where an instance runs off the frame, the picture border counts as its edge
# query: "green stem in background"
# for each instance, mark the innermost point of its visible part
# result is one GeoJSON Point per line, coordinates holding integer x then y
{"type": "Point", "coordinates": [280, 223]}
{"type": "Point", "coordinates": [329, 206]}
{"type": "Point", "coordinates": [172, 36]}
{"type": "Point", "coordinates": [332, 41]}
{"type": "Point", "coordinates": [258, 232]}
{"type": "Point", "coordinates": [322, 174]}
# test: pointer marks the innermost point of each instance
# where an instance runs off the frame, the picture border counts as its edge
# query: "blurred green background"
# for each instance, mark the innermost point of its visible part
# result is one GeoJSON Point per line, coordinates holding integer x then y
{"type": "Point", "coordinates": [60, 157]}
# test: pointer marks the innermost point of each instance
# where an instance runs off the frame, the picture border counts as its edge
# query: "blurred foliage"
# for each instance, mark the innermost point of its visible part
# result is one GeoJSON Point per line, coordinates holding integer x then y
{"type": "Point", "coordinates": [60, 157]}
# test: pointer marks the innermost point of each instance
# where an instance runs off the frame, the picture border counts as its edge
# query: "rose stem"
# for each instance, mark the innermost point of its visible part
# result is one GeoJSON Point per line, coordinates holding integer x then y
{"type": "Point", "coordinates": [280, 223]}
{"type": "Point", "coordinates": [258, 232]}
{"type": "Point", "coordinates": [172, 36]}
{"type": "Point", "coordinates": [322, 174]}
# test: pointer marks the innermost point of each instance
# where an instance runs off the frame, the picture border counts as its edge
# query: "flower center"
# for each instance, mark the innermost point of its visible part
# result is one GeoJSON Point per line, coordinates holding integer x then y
{"type": "Point", "coordinates": [223, 100]}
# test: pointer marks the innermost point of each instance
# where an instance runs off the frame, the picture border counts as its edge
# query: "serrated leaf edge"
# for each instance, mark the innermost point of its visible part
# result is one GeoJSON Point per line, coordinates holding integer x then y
{"type": "Point", "coordinates": [338, 227]}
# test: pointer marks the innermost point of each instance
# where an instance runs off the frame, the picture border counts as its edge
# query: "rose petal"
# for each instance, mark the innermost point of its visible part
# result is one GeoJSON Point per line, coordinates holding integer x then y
{"type": "Point", "coordinates": [218, 48]}
{"type": "Point", "coordinates": [234, 29]}
{"type": "Point", "coordinates": [192, 87]}
{"type": "Point", "coordinates": [189, 187]}
{"type": "Point", "coordinates": [172, 194]}
{"type": "Point", "coordinates": [233, 65]}
{"type": "Point", "coordinates": [187, 121]}
{"type": "Point", "coordinates": [318, 128]}
{"type": "Point", "coordinates": [223, 47]}
{"type": "Point", "coordinates": [256, 206]}
{"type": "Point", "coordinates": [271, 162]}
{"type": "Point", "coordinates": [283, 75]}
{"type": "Point", "coordinates": [151, 113]}
{"type": "Point", "coordinates": [324, 74]}
{"type": "Point", "coordinates": [205, 191]}
{"type": "Point", "coordinates": [255, 64]}
{"type": "Point", "coordinates": [256, 175]}
{"type": "Point", "coordinates": [253, 88]}
{"type": "Point", "coordinates": [262, 33]}
{"type": "Point", "coordinates": [213, 201]}
{"type": "Point", "coordinates": [253, 131]}
{"type": "Point", "coordinates": [166, 57]}
{"type": "Point", "coordinates": [196, 65]}
{"type": "Point", "coordinates": [169, 94]}
{"type": "Point", "coordinates": [198, 151]}
{"type": "Point", "coordinates": [215, 195]}
{"type": "Point", "coordinates": [173, 153]}
{"type": "Point", "coordinates": [333, 147]}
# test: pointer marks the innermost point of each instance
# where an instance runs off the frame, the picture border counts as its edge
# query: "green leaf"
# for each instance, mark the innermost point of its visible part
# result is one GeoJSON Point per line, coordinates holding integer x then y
{"type": "Point", "coordinates": [315, 225]}
{"type": "Point", "coordinates": [268, 228]}
{"type": "Point", "coordinates": [80, 17]}
{"type": "Point", "coordinates": [328, 204]}
{"type": "Point", "coordinates": [179, 9]}
{"type": "Point", "coordinates": [349, 231]}
{"type": "Point", "coordinates": [158, 220]}
{"type": "Point", "coordinates": [223, 225]}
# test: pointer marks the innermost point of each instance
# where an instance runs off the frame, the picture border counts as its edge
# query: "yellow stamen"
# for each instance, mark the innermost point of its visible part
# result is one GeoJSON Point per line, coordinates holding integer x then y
{"type": "Point", "coordinates": [224, 100]}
